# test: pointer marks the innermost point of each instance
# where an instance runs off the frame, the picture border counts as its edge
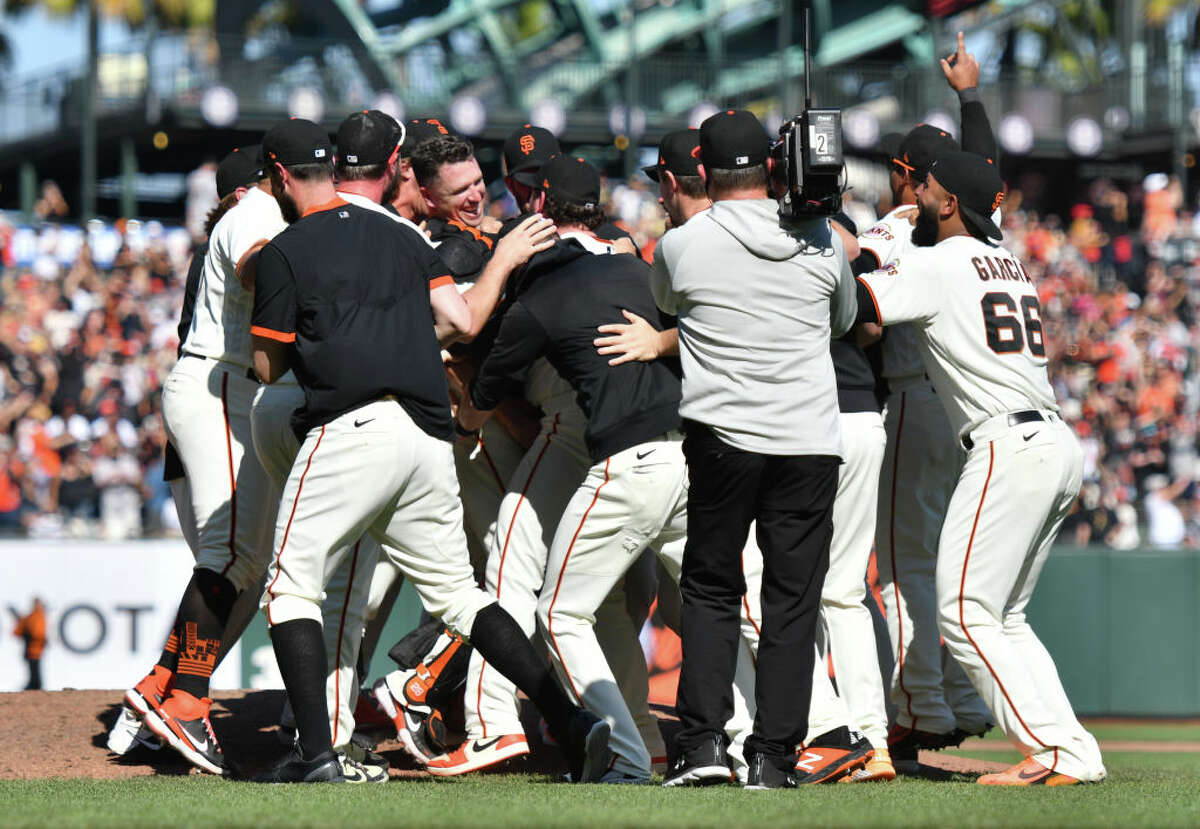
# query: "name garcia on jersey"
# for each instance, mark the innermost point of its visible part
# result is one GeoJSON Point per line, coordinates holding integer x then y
{"type": "Point", "coordinates": [997, 267]}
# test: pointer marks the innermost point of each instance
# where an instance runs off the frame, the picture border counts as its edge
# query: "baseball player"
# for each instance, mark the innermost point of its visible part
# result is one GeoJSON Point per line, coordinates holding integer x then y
{"type": "Point", "coordinates": [206, 411]}
{"type": "Point", "coordinates": [239, 171]}
{"type": "Point", "coordinates": [368, 171]}
{"type": "Point", "coordinates": [451, 185]}
{"type": "Point", "coordinates": [367, 168]}
{"type": "Point", "coordinates": [634, 494]}
{"type": "Point", "coordinates": [920, 464]}
{"type": "Point", "coordinates": [518, 544]}
{"type": "Point", "coordinates": [375, 457]}
{"type": "Point", "coordinates": [978, 326]}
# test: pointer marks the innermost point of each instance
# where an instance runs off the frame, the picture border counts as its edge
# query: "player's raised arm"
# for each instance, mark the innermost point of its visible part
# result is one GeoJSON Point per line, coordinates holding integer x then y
{"type": "Point", "coordinates": [962, 73]}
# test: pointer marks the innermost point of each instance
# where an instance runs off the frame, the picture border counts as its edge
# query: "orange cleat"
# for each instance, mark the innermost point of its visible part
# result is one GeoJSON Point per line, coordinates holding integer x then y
{"type": "Point", "coordinates": [150, 691]}
{"type": "Point", "coordinates": [878, 769]}
{"type": "Point", "coordinates": [1028, 772]}
{"type": "Point", "coordinates": [182, 722]}
{"type": "Point", "coordinates": [474, 755]}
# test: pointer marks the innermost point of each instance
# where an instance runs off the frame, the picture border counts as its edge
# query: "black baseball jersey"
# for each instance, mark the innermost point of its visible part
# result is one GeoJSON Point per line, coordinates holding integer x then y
{"type": "Point", "coordinates": [463, 248]}
{"type": "Point", "coordinates": [565, 294]}
{"type": "Point", "coordinates": [348, 289]}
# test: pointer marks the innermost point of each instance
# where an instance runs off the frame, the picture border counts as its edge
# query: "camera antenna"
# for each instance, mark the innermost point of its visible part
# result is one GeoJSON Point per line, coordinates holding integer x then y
{"type": "Point", "coordinates": [807, 63]}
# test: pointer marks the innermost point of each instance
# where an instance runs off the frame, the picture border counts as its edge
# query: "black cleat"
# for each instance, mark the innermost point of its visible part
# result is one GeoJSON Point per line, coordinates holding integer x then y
{"type": "Point", "coordinates": [586, 747]}
{"type": "Point", "coordinates": [702, 765]}
{"type": "Point", "coordinates": [770, 773]}
{"type": "Point", "coordinates": [324, 768]}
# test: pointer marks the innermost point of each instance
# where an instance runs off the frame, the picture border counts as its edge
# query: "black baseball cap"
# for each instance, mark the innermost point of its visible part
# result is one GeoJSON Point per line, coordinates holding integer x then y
{"type": "Point", "coordinates": [571, 179]}
{"type": "Point", "coordinates": [296, 141]}
{"type": "Point", "coordinates": [368, 137]}
{"type": "Point", "coordinates": [241, 168]}
{"type": "Point", "coordinates": [733, 140]}
{"type": "Point", "coordinates": [923, 145]}
{"type": "Point", "coordinates": [976, 182]}
{"type": "Point", "coordinates": [679, 152]}
{"type": "Point", "coordinates": [525, 151]}
{"type": "Point", "coordinates": [419, 130]}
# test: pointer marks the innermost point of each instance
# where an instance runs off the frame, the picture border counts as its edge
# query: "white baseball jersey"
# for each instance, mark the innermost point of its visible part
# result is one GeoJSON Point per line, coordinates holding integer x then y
{"type": "Point", "coordinates": [979, 323]}
{"type": "Point", "coordinates": [885, 240]}
{"type": "Point", "coordinates": [221, 324]}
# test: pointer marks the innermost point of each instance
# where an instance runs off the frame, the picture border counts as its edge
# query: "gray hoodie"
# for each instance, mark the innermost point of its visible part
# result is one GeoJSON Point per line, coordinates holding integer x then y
{"type": "Point", "coordinates": [756, 303]}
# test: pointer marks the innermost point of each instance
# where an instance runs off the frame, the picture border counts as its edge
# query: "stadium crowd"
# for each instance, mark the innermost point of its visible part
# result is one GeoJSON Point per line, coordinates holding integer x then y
{"type": "Point", "coordinates": [88, 333]}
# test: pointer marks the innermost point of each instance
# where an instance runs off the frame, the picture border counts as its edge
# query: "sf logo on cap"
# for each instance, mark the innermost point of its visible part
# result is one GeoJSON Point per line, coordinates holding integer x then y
{"type": "Point", "coordinates": [527, 144]}
{"type": "Point", "coordinates": [997, 201]}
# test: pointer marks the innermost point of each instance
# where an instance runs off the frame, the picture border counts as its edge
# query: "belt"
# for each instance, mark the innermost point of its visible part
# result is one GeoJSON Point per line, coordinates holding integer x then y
{"type": "Point", "coordinates": [250, 375]}
{"type": "Point", "coordinates": [1014, 419]}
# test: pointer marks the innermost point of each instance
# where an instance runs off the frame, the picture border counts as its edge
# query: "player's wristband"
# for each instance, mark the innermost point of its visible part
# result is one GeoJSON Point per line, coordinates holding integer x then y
{"type": "Point", "coordinates": [966, 96]}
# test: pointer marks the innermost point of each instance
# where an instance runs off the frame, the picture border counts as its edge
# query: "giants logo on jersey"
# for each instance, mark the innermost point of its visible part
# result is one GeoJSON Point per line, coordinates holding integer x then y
{"type": "Point", "coordinates": [879, 232]}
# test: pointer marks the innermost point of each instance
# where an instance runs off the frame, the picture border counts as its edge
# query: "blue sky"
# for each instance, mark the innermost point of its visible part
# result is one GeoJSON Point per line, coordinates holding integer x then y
{"type": "Point", "coordinates": [40, 41]}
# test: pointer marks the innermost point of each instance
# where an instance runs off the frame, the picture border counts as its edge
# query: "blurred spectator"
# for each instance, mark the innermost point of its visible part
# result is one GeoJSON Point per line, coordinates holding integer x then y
{"type": "Point", "coordinates": [119, 479]}
{"type": "Point", "coordinates": [31, 630]}
{"type": "Point", "coordinates": [87, 336]}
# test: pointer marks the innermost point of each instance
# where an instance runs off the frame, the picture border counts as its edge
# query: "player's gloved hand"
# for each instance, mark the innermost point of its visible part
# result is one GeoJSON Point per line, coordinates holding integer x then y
{"type": "Point", "coordinates": [638, 340]}
{"type": "Point", "coordinates": [961, 69]}
{"type": "Point", "coordinates": [534, 235]}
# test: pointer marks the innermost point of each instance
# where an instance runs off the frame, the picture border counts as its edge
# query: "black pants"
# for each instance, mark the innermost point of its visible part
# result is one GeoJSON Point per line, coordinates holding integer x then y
{"type": "Point", "coordinates": [791, 498]}
{"type": "Point", "coordinates": [35, 674]}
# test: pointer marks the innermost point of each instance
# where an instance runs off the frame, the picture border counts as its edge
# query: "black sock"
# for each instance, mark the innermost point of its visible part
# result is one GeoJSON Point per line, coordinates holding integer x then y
{"type": "Point", "coordinates": [300, 652]}
{"type": "Point", "coordinates": [203, 613]}
{"type": "Point", "coordinates": [170, 655]}
{"type": "Point", "coordinates": [500, 640]}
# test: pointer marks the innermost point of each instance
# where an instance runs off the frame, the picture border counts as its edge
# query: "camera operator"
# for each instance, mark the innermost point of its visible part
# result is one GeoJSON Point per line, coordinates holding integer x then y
{"type": "Point", "coordinates": [757, 304]}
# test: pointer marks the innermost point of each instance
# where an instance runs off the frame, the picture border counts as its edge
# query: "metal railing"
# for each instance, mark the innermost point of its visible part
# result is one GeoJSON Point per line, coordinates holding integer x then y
{"type": "Point", "coordinates": [175, 71]}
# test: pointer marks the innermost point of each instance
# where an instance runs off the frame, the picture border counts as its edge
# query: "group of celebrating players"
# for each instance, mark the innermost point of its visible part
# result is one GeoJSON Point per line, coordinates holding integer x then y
{"type": "Point", "coordinates": [377, 380]}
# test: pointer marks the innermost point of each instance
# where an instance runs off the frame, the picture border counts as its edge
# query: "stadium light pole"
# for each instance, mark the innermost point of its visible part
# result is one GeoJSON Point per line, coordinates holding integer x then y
{"type": "Point", "coordinates": [631, 77]}
{"type": "Point", "coordinates": [87, 116]}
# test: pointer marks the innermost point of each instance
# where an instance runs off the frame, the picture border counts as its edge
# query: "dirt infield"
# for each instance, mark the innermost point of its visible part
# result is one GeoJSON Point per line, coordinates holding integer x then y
{"type": "Point", "coordinates": [70, 729]}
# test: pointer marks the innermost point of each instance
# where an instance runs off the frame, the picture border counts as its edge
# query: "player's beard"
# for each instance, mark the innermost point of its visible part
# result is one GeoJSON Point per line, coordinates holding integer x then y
{"type": "Point", "coordinates": [393, 188]}
{"type": "Point", "coordinates": [925, 232]}
{"type": "Point", "coordinates": [287, 206]}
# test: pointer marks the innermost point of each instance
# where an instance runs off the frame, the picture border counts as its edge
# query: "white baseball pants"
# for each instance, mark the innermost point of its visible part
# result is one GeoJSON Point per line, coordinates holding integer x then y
{"type": "Point", "coordinates": [1017, 486]}
{"type": "Point", "coordinates": [206, 412]}
{"type": "Point", "coordinates": [485, 467]}
{"type": "Point", "coordinates": [920, 465]}
{"type": "Point", "coordinates": [518, 544]}
{"type": "Point", "coordinates": [632, 500]}
{"type": "Point", "coordinates": [342, 610]}
{"type": "Point", "coordinates": [390, 479]}
{"type": "Point", "coordinates": [847, 629]}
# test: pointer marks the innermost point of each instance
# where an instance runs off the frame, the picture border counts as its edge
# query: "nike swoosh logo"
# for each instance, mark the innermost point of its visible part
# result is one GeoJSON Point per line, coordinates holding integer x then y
{"type": "Point", "coordinates": [1030, 436]}
{"type": "Point", "coordinates": [481, 746]}
{"type": "Point", "coordinates": [1036, 773]}
{"type": "Point", "coordinates": [641, 455]}
{"type": "Point", "coordinates": [358, 423]}
{"type": "Point", "coordinates": [201, 745]}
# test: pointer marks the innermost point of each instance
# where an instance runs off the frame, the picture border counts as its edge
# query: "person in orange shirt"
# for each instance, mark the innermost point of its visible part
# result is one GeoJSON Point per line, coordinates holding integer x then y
{"type": "Point", "coordinates": [32, 629]}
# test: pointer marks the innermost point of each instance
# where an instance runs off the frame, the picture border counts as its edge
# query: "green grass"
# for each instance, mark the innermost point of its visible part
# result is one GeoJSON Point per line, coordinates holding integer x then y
{"type": "Point", "coordinates": [1143, 790]}
{"type": "Point", "coordinates": [1104, 730]}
